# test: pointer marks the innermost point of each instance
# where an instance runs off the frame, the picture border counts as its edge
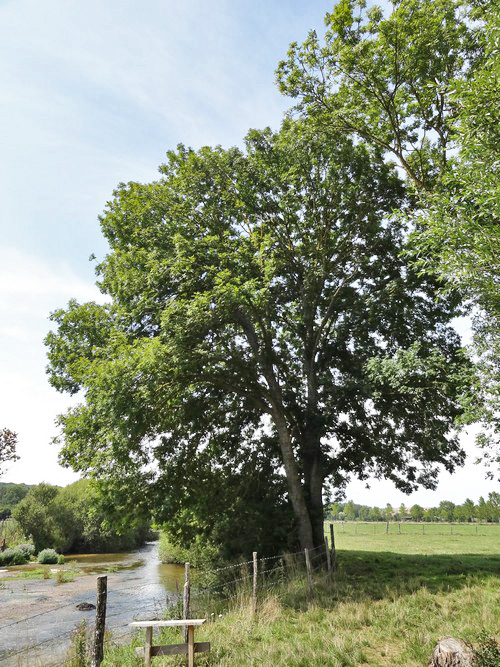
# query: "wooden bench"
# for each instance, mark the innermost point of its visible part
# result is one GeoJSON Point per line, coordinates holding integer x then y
{"type": "Point", "coordinates": [189, 649]}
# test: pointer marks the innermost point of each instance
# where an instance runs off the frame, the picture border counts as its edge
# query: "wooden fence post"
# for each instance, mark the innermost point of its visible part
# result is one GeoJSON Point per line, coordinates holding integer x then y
{"type": "Point", "coordinates": [100, 621]}
{"type": "Point", "coordinates": [308, 566]}
{"type": "Point", "coordinates": [334, 551]}
{"type": "Point", "coordinates": [190, 643]}
{"type": "Point", "coordinates": [186, 598]}
{"type": "Point", "coordinates": [328, 561]}
{"type": "Point", "coordinates": [147, 646]}
{"type": "Point", "coordinates": [386, 527]}
{"type": "Point", "coordinates": [254, 586]}
{"type": "Point", "coordinates": [399, 527]}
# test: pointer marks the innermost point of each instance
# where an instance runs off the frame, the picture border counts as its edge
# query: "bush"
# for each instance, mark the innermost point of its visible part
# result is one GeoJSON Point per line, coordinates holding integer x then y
{"type": "Point", "coordinates": [13, 557]}
{"type": "Point", "coordinates": [27, 549]}
{"type": "Point", "coordinates": [60, 559]}
{"type": "Point", "coordinates": [488, 652]}
{"type": "Point", "coordinates": [199, 554]}
{"type": "Point", "coordinates": [48, 557]}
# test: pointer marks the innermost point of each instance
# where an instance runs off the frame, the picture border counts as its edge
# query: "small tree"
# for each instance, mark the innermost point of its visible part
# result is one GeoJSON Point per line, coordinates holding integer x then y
{"type": "Point", "coordinates": [417, 512]}
{"type": "Point", "coordinates": [8, 442]}
{"type": "Point", "coordinates": [446, 510]}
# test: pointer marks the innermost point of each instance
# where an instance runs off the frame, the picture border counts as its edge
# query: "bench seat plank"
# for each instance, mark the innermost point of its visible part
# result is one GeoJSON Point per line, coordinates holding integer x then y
{"type": "Point", "coordinates": [167, 624]}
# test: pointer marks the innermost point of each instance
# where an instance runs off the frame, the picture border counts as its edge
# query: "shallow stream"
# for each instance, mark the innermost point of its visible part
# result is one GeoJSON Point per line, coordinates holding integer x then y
{"type": "Point", "coordinates": [38, 616]}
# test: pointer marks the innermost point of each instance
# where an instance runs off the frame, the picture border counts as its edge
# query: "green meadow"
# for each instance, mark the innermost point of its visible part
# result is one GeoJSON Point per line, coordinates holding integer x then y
{"type": "Point", "coordinates": [392, 597]}
{"type": "Point", "coordinates": [418, 538]}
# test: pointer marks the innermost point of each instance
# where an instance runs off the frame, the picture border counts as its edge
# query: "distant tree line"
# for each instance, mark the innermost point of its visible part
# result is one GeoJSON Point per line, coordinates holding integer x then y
{"type": "Point", "coordinates": [10, 495]}
{"type": "Point", "coordinates": [484, 510]}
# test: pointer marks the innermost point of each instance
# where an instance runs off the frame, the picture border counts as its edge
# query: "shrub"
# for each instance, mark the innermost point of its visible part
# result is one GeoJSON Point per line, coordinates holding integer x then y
{"type": "Point", "coordinates": [199, 554]}
{"type": "Point", "coordinates": [48, 557]}
{"type": "Point", "coordinates": [488, 652]}
{"type": "Point", "coordinates": [27, 549]}
{"type": "Point", "coordinates": [60, 559]}
{"type": "Point", "coordinates": [13, 557]}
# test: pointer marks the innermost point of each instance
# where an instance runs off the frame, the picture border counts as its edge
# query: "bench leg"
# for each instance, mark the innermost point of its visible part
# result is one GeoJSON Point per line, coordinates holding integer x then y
{"type": "Point", "coordinates": [147, 647]}
{"type": "Point", "coordinates": [190, 645]}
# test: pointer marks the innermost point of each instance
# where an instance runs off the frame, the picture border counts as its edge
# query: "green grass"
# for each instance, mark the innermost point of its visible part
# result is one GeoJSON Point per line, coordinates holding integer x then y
{"type": "Point", "coordinates": [387, 605]}
{"type": "Point", "coordinates": [62, 574]}
{"type": "Point", "coordinates": [418, 538]}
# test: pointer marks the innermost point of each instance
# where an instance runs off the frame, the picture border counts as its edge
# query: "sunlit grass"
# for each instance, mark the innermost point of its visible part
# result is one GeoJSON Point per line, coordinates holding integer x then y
{"type": "Point", "coordinates": [418, 538]}
{"type": "Point", "coordinates": [379, 609]}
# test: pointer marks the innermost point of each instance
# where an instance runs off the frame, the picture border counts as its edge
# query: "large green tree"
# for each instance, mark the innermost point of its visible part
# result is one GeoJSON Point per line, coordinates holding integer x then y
{"type": "Point", "coordinates": [420, 82]}
{"type": "Point", "coordinates": [261, 308]}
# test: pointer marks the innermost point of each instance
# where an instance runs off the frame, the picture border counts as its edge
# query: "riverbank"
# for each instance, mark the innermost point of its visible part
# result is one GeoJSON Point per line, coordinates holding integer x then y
{"type": "Point", "coordinates": [39, 615]}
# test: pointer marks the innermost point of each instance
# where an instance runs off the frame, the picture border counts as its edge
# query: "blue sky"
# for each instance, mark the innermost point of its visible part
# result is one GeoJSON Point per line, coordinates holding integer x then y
{"type": "Point", "coordinates": [94, 93]}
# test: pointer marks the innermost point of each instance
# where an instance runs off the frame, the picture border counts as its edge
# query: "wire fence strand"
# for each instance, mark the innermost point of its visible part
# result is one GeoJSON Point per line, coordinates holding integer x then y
{"type": "Point", "coordinates": [212, 600]}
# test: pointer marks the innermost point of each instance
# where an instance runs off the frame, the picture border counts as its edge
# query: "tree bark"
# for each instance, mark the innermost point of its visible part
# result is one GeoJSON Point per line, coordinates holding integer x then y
{"type": "Point", "coordinates": [263, 358]}
{"type": "Point", "coordinates": [295, 487]}
{"type": "Point", "coordinates": [316, 502]}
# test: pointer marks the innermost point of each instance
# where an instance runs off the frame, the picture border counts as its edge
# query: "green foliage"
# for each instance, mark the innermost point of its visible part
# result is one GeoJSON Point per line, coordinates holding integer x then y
{"type": "Point", "coordinates": [8, 442]}
{"type": "Point", "coordinates": [13, 556]}
{"type": "Point", "coordinates": [27, 549]}
{"type": "Point", "coordinates": [487, 654]}
{"type": "Point", "coordinates": [388, 79]}
{"type": "Point", "coordinates": [75, 518]}
{"type": "Point", "coordinates": [199, 553]}
{"type": "Point", "coordinates": [266, 339]}
{"type": "Point", "coordinates": [80, 652]}
{"type": "Point", "coordinates": [10, 495]}
{"type": "Point", "coordinates": [47, 557]}
{"type": "Point", "coordinates": [485, 511]}
{"type": "Point", "coordinates": [420, 83]}
{"type": "Point", "coordinates": [11, 532]}
{"type": "Point", "coordinates": [34, 517]}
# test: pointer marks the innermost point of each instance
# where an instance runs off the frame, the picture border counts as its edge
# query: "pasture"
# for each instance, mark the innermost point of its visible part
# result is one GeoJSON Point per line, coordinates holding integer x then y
{"type": "Point", "coordinates": [391, 599]}
{"type": "Point", "coordinates": [417, 538]}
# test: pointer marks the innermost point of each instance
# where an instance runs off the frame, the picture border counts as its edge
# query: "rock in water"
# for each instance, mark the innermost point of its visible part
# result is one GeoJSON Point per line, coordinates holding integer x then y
{"type": "Point", "coordinates": [451, 652]}
{"type": "Point", "coordinates": [85, 606]}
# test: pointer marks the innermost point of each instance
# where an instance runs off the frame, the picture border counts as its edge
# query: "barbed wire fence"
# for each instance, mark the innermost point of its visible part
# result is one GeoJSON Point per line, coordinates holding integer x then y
{"type": "Point", "coordinates": [353, 528]}
{"type": "Point", "coordinates": [212, 592]}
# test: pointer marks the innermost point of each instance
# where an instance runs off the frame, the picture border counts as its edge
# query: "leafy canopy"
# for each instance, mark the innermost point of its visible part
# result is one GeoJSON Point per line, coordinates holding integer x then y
{"type": "Point", "coordinates": [261, 311]}
{"type": "Point", "coordinates": [421, 83]}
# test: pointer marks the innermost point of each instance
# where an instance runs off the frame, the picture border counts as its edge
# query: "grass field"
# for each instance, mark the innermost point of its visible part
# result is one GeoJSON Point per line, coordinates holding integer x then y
{"type": "Point", "coordinates": [393, 596]}
{"type": "Point", "coordinates": [418, 538]}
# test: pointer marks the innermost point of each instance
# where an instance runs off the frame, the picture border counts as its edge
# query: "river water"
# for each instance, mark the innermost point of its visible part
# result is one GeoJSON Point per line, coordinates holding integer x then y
{"type": "Point", "coordinates": [38, 616]}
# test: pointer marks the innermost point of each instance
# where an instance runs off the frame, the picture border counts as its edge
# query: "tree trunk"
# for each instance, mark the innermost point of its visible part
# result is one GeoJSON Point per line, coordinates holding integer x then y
{"type": "Point", "coordinates": [295, 488]}
{"type": "Point", "coordinates": [316, 504]}
{"type": "Point", "coordinates": [451, 652]}
{"type": "Point", "coordinates": [313, 479]}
